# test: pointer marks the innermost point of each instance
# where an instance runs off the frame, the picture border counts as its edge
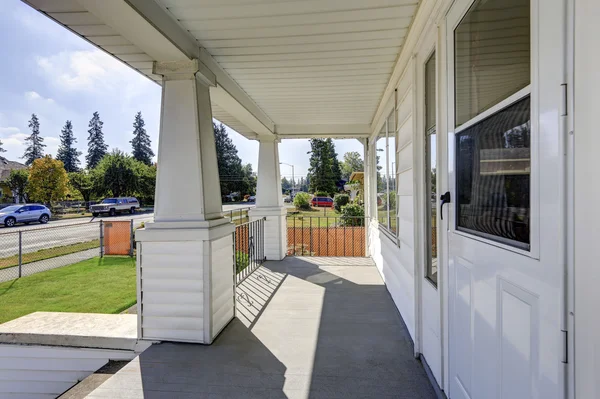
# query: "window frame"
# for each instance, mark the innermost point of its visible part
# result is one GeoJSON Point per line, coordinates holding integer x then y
{"type": "Point", "coordinates": [428, 264]}
{"type": "Point", "coordinates": [532, 90]}
{"type": "Point", "coordinates": [390, 172]}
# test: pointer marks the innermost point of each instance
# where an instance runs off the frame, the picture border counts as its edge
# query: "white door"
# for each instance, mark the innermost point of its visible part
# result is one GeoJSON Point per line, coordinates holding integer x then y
{"type": "Point", "coordinates": [504, 222]}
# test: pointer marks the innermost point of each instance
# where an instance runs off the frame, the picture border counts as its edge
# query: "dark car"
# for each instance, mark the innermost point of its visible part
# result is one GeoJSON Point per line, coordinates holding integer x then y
{"type": "Point", "coordinates": [322, 202]}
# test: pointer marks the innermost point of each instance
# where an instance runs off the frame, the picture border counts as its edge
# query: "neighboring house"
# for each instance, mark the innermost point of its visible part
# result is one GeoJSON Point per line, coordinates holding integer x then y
{"type": "Point", "coordinates": [356, 185]}
{"type": "Point", "coordinates": [6, 166]}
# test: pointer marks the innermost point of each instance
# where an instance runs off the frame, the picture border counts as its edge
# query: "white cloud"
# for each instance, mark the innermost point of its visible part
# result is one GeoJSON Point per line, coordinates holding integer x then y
{"type": "Point", "coordinates": [35, 96]}
{"type": "Point", "coordinates": [89, 70]}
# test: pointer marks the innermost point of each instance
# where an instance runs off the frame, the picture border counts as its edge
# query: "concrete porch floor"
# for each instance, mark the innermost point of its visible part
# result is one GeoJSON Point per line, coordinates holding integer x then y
{"type": "Point", "coordinates": [305, 328]}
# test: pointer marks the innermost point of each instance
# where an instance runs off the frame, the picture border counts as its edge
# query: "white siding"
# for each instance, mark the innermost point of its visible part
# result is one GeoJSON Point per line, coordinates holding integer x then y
{"type": "Point", "coordinates": [396, 261]}
{"type": "Point", "coordinates": [171, 281]}
{"type": "Point", "coordinates": [29, 371]}
{"type": "Point", "coordinates": [222, 283]}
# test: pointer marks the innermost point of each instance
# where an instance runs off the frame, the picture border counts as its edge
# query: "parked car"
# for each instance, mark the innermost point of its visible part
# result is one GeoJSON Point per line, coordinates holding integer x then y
{"type": "Point", "coordinates": [322, 202]}
{"type": "Point", "coordinates": [26, 214]}
{"type": "Point", "coordinates": [287, 198]}
{"type": "Point", "coordinates": [112, 206]}
{"type": "Point", "coordinates": [251, 199]}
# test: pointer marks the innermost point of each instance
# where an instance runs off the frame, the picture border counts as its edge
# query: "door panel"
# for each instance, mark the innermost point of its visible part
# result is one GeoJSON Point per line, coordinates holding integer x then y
{"type": "Point", "coordinates": [505, 281]}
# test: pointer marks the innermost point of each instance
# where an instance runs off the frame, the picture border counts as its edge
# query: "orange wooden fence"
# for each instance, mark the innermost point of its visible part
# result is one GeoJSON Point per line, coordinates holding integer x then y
{"type": "Point", "coordinates": [326, 241]}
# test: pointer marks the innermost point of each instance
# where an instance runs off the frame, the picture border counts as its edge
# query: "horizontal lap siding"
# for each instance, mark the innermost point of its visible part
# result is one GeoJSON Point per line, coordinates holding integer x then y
{"type": "Point", "coordinates": [172, 290]}
{"type": "Point", "coordinates": [222, 283]}
{"type": "Point", "coordinates": [42, 371]}
{"type": "Point", "coordinates": [396, 263]}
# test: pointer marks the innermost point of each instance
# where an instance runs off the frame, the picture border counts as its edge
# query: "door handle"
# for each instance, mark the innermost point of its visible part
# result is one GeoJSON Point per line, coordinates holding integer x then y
{"type": "Point", "coordinates": [445, 198]}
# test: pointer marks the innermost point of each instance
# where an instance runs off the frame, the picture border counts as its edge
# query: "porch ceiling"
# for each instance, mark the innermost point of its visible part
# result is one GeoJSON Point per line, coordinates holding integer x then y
{"type": "Point", "coordinates": [302, 67]}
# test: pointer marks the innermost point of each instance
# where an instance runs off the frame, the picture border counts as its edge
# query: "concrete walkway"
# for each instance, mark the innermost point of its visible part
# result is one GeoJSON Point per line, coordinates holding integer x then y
{"type": "Point", "coordinates": [306, 328]}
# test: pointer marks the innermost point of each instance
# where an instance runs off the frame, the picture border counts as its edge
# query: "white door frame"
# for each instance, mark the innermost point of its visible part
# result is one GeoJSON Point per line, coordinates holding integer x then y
{"type": "Point", "coordinates": [541, 21]}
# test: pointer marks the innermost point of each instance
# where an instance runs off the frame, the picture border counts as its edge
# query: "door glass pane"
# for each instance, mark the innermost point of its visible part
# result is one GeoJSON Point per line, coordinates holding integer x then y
{"type": "Point", "coordinates": [431, 203]}
{"type": "Point", "coordinates": [491, 55]}
{"type": "Point", "coordinates": [430, 172]}
{"type": "Point", "coordinates": [493, 176]}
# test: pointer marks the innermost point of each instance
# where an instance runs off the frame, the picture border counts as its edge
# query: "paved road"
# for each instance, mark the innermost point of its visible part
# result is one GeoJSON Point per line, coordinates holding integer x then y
{"type": "Point", "coordinates": [64, 232]}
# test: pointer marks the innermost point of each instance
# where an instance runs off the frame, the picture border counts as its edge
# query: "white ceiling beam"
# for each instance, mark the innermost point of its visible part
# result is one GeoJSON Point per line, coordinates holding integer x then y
{"type": "Point", "coordinates": [153, 30]}
{"type": "Point", "coordinates": [318, 130]}
{"type": "Point", "coordinates": [123, 19]}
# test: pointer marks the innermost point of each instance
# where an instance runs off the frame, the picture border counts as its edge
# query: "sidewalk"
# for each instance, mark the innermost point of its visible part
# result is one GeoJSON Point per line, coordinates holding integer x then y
{"type": "Point", "coordinates": [28, 269]}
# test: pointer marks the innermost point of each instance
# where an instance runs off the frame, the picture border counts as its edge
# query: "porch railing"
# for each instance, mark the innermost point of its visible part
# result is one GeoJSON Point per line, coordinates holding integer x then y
{"type": "Point", "coordinates": [249, 248]}
{"type": "Point", "coordinates": [326, 236]}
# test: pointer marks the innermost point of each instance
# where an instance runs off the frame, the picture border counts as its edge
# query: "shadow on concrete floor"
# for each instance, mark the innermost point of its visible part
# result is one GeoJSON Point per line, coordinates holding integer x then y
{"type": "Point", "coordinates": [307, 328]}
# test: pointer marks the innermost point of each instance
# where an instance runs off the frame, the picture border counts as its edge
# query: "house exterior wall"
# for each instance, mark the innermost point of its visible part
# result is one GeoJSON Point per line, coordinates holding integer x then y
{"type": "Point", "coordinates": [395, 258]}
{"type": "Point", "coordinates": [33, 371]}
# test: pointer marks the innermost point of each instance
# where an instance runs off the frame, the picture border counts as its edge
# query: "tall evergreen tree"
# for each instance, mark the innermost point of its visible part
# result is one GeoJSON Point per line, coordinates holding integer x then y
{"type": "Point", "coordinates": [228, 161]}
{"type": "Point", "coordinates": [35, 149]}
{"type": "Point", "coordinates": [324, 171]}
{"type": "Point", "coordinates": [141, 141]}
{"type": "Point", "coordinates": [67, 153]}
{"type": "Point", "coordinates": [1, 147]}
{"type": "Point", "coordinates": [97, 149]}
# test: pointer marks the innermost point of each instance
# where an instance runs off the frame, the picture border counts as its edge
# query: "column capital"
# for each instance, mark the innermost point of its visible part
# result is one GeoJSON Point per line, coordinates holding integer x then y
{"type": "Point", "coordinates": [184, 70]}
{"type": "Point", "coordinates": [269, 139]}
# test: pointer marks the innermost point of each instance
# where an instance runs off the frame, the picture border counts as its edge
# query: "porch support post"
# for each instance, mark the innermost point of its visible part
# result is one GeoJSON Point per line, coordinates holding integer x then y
{"type": "Point", "coordinates": [185, 270]}
{"type": "Point", "coordinates": [269, 201]}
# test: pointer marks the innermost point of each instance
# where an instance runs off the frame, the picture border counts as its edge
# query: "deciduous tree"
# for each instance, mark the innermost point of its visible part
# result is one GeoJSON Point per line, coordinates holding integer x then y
{"type": "Point", "coordinates": [67, 153]}
{"type": "Point", "coordinates": [97, 149]}
{"type": "Point", "coordinates": [352, 163]}
{"type": "Point", "coordinates": [35, 147]}
{"type": "Point", "coordinates": [140, 144]}
{"type": "Point", "coordinates": [48, 180]}
{"type": "Point", "coordinates": [116, 175]}
{"type": "Point", "coordinates": [17, 182]}
{"type": "Point", "coordinates": [82, 182]}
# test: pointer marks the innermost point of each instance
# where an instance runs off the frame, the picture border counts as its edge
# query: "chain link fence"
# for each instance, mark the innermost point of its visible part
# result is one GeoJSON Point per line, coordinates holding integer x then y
{"type": "Point", "coordinates": [33, 250]}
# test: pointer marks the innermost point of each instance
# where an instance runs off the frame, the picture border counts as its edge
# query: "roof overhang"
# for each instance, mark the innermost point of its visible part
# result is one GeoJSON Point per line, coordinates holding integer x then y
{"type": "Point", "coordinates": [274, 70]}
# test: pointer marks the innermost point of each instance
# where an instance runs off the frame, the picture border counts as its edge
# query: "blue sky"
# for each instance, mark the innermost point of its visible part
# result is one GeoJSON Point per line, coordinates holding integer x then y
{"type": "Point", "coordinates": [50, 71]}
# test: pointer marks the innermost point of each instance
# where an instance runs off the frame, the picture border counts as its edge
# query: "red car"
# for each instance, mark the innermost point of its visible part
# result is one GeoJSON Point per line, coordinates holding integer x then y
{"type": "Point", "coordinates": [322, 202]}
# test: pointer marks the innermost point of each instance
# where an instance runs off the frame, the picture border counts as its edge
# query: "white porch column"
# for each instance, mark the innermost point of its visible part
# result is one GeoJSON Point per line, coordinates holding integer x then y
{"type": "Point", "coordinates": [269, 201]}
{"type": "Point", "coordinates": [185, 257]}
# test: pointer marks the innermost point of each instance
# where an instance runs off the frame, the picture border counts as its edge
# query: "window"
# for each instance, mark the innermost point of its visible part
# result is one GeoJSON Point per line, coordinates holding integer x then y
{"type": "Point", "coordinates": [491, 55]}
{"type": "Point", "coordinates": [492, 63]}
{"type": "Point", "coordinates": [431, 194]}
{"type": "Point", "coordinates": [493, 176]}
{"type": "Point", "coordinates": [386, 180]}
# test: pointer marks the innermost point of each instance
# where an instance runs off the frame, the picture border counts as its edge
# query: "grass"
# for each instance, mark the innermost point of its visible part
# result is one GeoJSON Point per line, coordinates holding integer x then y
{"type": "Point", "coordinates": [106, 285]}
{"type": "Point", "coordinates": [316, 217]}
{"type": "Point", "coordinates": [47, 253]}
{"type": "Point", "coordinates": [64, 216]}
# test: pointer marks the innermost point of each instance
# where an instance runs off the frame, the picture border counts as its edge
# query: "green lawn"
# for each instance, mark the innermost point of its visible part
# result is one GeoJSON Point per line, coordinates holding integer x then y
{"type": "Point", "coordinates": [106, 285]}
{"type": "Point", "coordinates": [316, 217]}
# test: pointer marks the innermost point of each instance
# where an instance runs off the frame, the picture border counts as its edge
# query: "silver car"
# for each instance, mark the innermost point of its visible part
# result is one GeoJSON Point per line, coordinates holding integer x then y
{"type": "Point", "coordinates": [26, 214]}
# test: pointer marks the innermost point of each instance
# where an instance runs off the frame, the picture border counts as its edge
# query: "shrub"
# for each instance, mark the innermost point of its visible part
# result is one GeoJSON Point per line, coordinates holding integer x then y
{"type": "Point", "coordinates": [340, 200]}
{"type": "Point", "coordinates": [302, 201]}
{"type": "Point", "coordinates": [321, 194]}
{"type": "Point", "coordinates": [353, 215]}
{"type": "Point", "coordinates": [392, 200]}
{"type": "Point", "coordinates": [242, 260]}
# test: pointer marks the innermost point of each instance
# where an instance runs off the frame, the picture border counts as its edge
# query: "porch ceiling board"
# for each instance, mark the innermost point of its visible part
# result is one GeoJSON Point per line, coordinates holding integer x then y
{"type": "Point", "coordinates": [304, 62]}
